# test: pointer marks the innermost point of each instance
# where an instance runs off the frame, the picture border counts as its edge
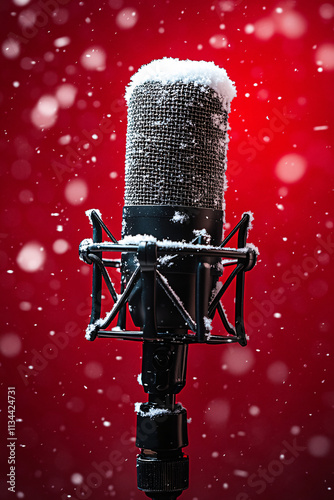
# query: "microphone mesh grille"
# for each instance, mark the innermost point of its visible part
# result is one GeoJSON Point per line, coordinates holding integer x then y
{"type": "Point", "coordinates": [176, 145]}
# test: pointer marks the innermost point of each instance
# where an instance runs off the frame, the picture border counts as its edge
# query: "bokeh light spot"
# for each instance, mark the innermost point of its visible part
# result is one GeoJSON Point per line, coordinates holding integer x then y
{"type": "Point", "coordinates": [326, 10]}
{"type": "Point", "coordinates": [254, 410]}
{"type": "Point", "coordinates": [291, 168]}
{"type": "Point", "coordinates": [62, 41]}
{"type": "Point", "coordinates": [324, 56]}
{"type": "Point", "coordinates": [127, 18]}
{"type": "Point", "coordinates": [66, 94]}
{"type": "Point", "coordinates": [31, 257]}
{"type": "Point", "coordinates": [27, 18]}
{"type": "Point", "coordinates": [277, 372]}
{"type": "Point", "coordinates": [217, 412]}
{"type": "Point", "coordinates": [60, 246]}
{"type": "Point", "coordinates": [227, 5]}
{"type": "Point", "coordinates": [26, 196]}
{"type": "Point", "coordinates": [77, 478]}
{"type": "Point", "coordinates": [264, 28]}
{"type": "Point", "coordinates": [44, 114]}
{"type": "Point", "coordinates": [319, 446]}
{"type": "Point", "coordinates": [218, 41]}
{"type": "Point", "coordinates": [75, 404]}
{"type": "Point", "coordinates": [318, 288]}
{"type": "Point", "coordinates": [295, 430]}
{"type": "Point", "coordinates": [93, 370]}
{"type": "Point", "coordinates": [21, 170]}
{"type": "Point", "coordinates": [94, 59]}
{"type": "Point", "coordinates": [238, 362]}
{"type": "Point", "coordinates": [21, 3]}
{"type": "Point", "coordinates": [10, 345]}
{"type": "Point", "coordinates": [11, 48]}
{"type": "Point", "coordinates": [47, 105]}
{"type": "Point", "coordinates": [115, 4]}
{"type": "Point", "coordinates": [249, 28]}
{"type": "Point", "coordinates": [291, 24]}
{"type": "Point", "coordinates": [76, 191]}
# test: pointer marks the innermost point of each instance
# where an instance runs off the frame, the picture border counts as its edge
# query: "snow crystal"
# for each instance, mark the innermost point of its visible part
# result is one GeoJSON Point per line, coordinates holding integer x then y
{"type": "Point", "coordinates": [251, 246]}
{"type": "Point", "coordinates": [154, 412]}
{"type": "Point", "coordinates": [93, 326]}
{"type": "Point", "coordinates": [219, 122]}
{"type": "Point", "coordinates": [251, 219]}
{"type": "Point", "coordinates": [207, 323]}
{"type": "Point", "coordinates": [204, 233]}
{"type": "Point", "coordinates": [136, 239]}
{"type": "Point", "coordinates": [179, 217]}
{"type": "Point", "coordinates": [89, 214]}
{"type": "Point", "coordinates": [166, 260]}
{"type": "Point", "coordinates": [169, 70]}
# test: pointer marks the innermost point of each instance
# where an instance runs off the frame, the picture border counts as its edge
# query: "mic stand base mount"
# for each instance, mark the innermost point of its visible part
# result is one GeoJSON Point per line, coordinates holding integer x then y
{"type": "Point", "coordinates": [162, 467]}
{"type": "Point", "coordinates": [162, 477]}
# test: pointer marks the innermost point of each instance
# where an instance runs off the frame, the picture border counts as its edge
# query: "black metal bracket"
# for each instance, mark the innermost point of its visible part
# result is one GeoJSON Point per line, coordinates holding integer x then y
{"type": "Point", "coordinates": [243, 257]}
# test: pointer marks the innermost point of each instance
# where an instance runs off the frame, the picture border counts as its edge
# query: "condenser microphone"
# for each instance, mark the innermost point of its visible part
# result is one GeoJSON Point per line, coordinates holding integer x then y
{"type": "Point", "coordinates": [173, 252]}
{"type": "Point", "coordinates": [175, 171]}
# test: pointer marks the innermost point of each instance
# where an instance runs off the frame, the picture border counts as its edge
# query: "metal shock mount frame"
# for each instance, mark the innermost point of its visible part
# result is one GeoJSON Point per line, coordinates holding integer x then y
{"type": "Point", "coordinates": [244, 259]}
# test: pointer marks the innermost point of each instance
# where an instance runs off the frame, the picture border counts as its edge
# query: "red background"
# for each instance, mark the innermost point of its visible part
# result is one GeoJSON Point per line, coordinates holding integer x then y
{"type": "Point", "coordinates": [246, 404]}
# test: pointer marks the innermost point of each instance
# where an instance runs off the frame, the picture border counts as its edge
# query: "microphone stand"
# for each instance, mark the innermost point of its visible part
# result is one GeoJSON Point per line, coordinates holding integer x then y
{"type": "Point", "coordinates": [162, 467]}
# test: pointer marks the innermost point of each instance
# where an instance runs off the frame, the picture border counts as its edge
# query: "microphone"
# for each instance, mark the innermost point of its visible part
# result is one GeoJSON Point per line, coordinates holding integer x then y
{"type": "Point", "coordinates": [173, 253]}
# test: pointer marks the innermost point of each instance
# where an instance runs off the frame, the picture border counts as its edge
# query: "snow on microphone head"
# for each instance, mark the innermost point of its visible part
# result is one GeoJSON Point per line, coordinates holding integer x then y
{"type": "Point", "coordinates": [177, 134]}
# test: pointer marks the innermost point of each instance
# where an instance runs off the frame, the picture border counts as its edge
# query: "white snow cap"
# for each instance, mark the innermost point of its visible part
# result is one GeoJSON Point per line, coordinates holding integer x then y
{"type": "Point", "coordinates": [169, 70]}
